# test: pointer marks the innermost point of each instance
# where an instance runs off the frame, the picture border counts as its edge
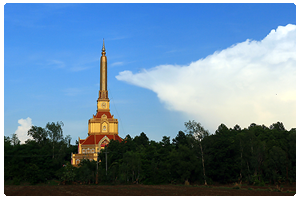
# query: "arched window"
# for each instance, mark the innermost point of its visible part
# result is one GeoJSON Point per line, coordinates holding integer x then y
{"type": "Point", "coordinates": [77, 161]}
{"type": "Point", "coordinates": [83, 151]}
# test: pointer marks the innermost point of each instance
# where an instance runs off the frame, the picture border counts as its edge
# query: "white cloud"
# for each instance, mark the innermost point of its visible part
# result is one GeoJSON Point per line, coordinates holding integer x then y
{"type": "Point", "coordinates": [119, 63]}
{"type": "Point", "coordinates": [249, 82]}
{"type": "Point", "coordinates": [25, 125]}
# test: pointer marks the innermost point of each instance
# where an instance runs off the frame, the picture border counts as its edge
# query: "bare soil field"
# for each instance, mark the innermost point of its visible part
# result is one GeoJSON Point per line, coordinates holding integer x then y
{"type": "Point", "coordinates": [144, 190]}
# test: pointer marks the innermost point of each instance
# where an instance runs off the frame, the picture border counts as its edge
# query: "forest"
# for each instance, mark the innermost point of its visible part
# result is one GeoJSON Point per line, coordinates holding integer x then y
{"type": "Point", "coordinates": [257, 155]}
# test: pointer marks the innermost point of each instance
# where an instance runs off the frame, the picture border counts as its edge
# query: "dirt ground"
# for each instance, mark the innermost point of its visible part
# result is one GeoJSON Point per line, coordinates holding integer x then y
{"type": "Point", "coordinates": [143, 190]}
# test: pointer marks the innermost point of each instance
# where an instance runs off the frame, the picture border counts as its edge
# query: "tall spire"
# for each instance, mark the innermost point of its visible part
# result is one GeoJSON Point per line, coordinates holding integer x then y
{"type": "Point", "coordinates": [103, 94]}
{"type": "Point", "coordinates": [103, 47]}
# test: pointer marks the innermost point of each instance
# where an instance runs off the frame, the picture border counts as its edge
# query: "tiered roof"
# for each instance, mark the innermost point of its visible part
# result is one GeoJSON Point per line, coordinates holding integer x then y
{"type": "Point", "coordinates": [95, 139]}
{"type": "Point", "coordinates": [99, 114]}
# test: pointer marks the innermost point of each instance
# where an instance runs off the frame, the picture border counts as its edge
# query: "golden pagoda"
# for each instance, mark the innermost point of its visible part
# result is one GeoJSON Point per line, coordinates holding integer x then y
{"type": "Point", "coordinates": [103, 127]}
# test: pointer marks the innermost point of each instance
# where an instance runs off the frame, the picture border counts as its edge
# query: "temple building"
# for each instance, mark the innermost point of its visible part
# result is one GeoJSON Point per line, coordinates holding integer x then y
{"type": "Point", "coordinates": [103, 127]}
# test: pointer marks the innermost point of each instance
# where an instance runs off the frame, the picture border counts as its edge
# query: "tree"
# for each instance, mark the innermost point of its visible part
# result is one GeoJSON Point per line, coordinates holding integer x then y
{"type": "Point", "coordinates": [142, 139]}
{"type": "Point", "coordinates": [183, 163]}
{"type": "Point", "coordinates": [237, 128]}
{"type": "Point", "coordinates": [38, 134]}
{"type": "Point", "coordinates": [278, 126]}
{"type": "Point", "coordinates": [133, 165]}
{"type": "Point", "coordinates": [86, 171]}
{"type": "Point", "coordinates": [292, 154]}
{"type": "Point", "coordinates": [15, 140]}
{"type": "Point", "coordinates": [67, 140]}
{"type": "Point", "coordinates": [165, 141]}
{"type": "Point", "coordinates": [55, 133]}
{"type": "Point", "coordinates": [180, 139]}
{"type": "Point", "coordinates": [222, 130]}
{"type": "Point", "coordinates": [68, 174]}
{"type": "Point", "coordinates": [277, 163]}
{"type": "Point", "coordinates": [39, 159]}
{"type": "Point", "coordinates": [241, 145]}
{"type": "Point", "coordinates": [196, 130]}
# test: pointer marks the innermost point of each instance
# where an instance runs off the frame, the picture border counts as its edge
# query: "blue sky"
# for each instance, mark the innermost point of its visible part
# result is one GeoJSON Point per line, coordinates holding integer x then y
{"type": "Point", "coordinates": [167, 64]}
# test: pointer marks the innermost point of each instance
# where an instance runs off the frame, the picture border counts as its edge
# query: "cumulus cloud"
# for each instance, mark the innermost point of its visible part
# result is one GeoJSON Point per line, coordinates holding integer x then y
{"type": "Point", "coordinates": [25, 125]}
{"type": "Point", "coordinates": [249, 82]}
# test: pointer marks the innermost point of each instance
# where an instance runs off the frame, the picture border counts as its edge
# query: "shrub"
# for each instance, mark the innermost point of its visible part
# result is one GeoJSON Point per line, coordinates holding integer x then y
{"type": "Point", "coordinates": [16, 181]}
{"type": "Point", "coordinates": [236, 186]}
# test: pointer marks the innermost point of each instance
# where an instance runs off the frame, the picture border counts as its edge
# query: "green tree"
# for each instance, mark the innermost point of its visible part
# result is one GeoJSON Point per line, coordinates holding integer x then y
{"type": "Point", "coordinates": [132, 161]}
{"type": "Point", "coordinates": [15, 140]}
{"type": "Point", "coordinates": [165, 141]}
{"type": "Point", "coordinates": [86, 171]}
{"type": "Point", "coordinates": [38, 134]}
{"type": "Point", "coordinates": [241, 145]}
{"type": "Point", "coordinates": [195, 129]}
{"type": "Point", "coordinates": [183, 163]}
{"type": "Point", "coordinates": [180, 139]}
{"type": "Point", "coordinates": [55, 133]}
{"type": "Point", "coordinates": [35, 160]}
{"type": "Point", "coordinates": [291, 155]}
{"type": "Point", "coordinates": [277, 126]}
{"type": "Point", "coordinates": [69, 173]}
{"type": "Point", "coordinates": [222, 130]}
{"type": "Point", "coordinates": [7, 158]}
{"type": "Point", "coordinates": [142, 139]}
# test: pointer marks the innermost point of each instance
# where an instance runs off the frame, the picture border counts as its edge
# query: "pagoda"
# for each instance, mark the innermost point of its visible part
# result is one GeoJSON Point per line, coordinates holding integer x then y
{"type": "Point", "coordinates": [103, 127]}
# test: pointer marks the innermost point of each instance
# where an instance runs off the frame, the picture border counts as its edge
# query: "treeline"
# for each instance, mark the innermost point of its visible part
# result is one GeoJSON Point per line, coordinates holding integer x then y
{"type": "Point", "coordinates": [38, 160]}
{"type": "Point", "coordinates": [255, 155]}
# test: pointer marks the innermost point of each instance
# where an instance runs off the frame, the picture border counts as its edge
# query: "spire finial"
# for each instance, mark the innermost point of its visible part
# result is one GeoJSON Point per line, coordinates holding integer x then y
{"type": "Point", "coordinates": [103, 47]}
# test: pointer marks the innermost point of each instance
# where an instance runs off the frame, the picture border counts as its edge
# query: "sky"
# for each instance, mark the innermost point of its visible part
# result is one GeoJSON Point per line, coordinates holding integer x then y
{"type": "Point", "coordinates": [167, 64]}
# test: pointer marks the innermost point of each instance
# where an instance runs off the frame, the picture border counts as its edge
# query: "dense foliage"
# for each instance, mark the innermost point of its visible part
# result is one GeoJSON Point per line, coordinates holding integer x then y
{"type": "Point", "coordinates": [39, 159]}
{"type": "Point", "coordinates": [254, 155]}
